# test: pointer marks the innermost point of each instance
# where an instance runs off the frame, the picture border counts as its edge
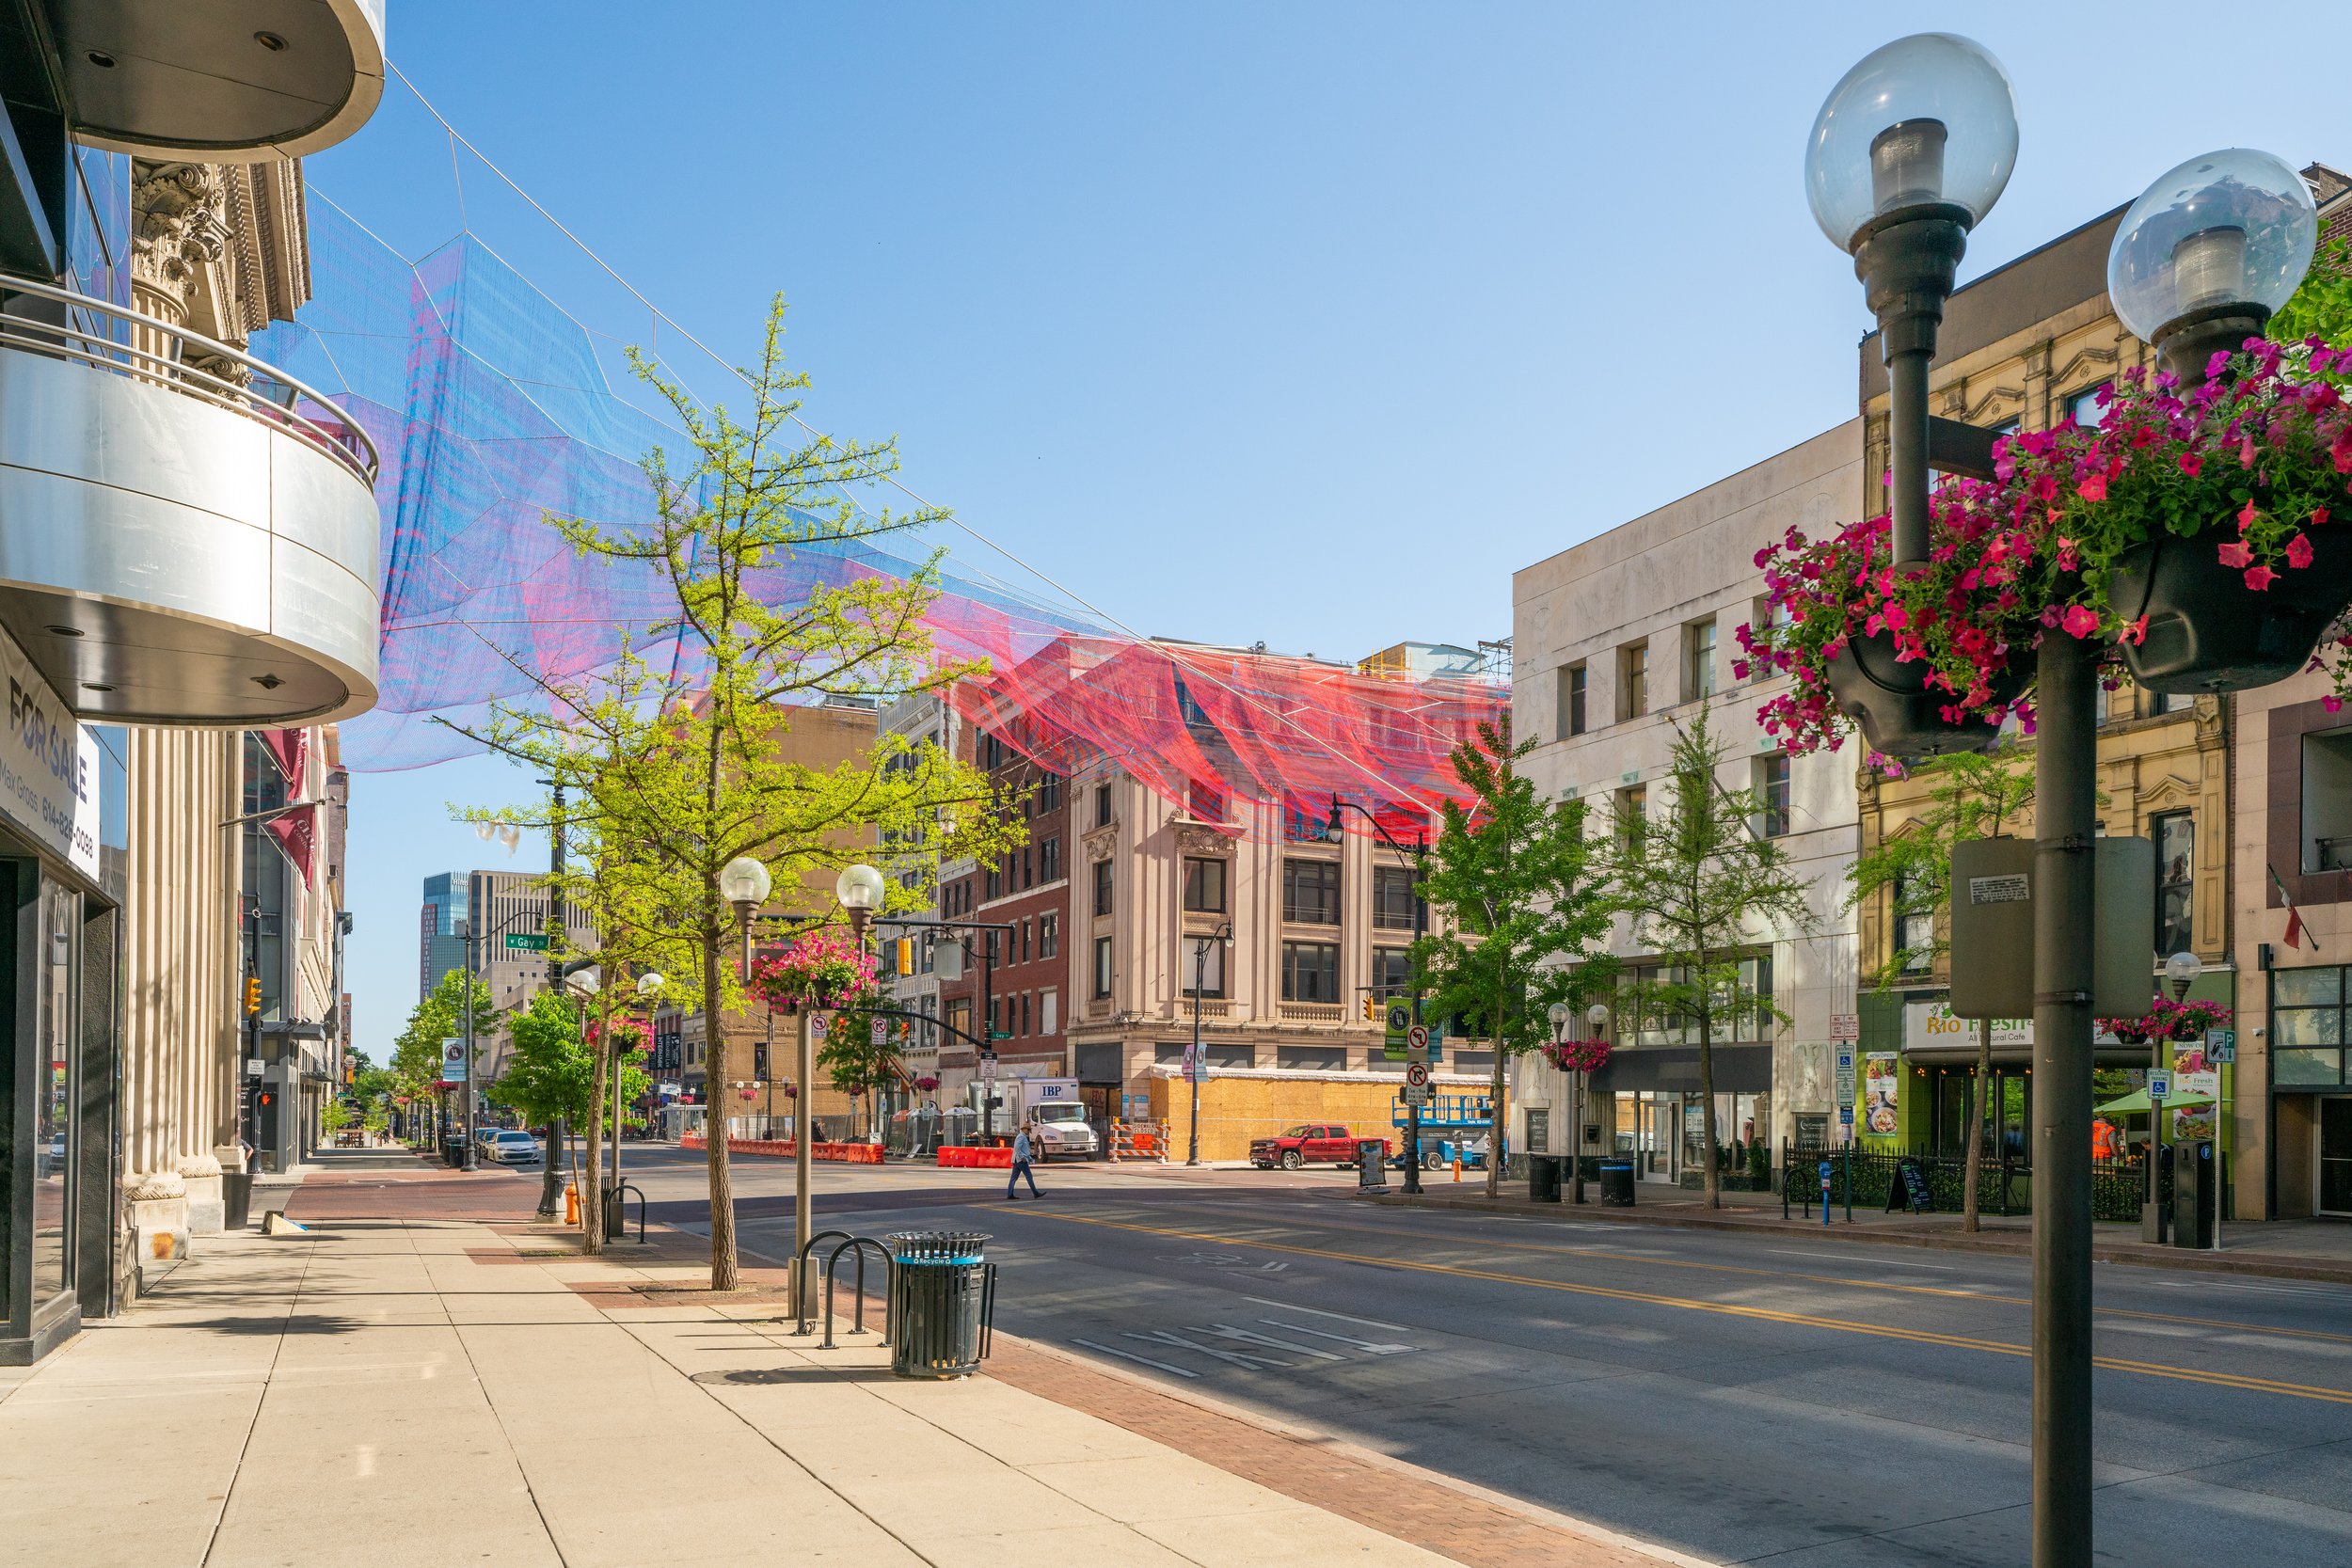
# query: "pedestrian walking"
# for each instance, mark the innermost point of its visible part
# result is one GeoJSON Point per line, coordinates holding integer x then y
{"type": "Point", "coordinates": [1020, 1167]}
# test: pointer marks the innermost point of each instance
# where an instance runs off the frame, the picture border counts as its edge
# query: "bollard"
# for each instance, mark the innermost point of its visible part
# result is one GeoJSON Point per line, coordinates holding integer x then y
{"type": "Point", "coordinates": [1825, 1191]}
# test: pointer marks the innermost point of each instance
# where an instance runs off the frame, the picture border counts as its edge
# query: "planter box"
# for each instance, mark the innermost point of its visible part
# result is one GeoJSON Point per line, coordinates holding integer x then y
{"type": "Point", "coordinates": [1901, 718]}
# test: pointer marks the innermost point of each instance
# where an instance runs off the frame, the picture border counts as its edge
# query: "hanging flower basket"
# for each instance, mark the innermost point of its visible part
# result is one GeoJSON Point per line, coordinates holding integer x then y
{"type": "Point", "coordinates": [2166, 1020]}
{"type": "Point", "coordinates": [1578, 1055]}
{"type": "Point", "coordinates": [1901, 718]}
{"type": "Point", "coordinates": [821, 969]}
{"type": "Point", "coordinates": [2205, 631]}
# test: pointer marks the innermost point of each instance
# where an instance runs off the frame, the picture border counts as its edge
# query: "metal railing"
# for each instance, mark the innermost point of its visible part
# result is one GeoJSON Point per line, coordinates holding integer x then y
{"type": "Point", "coordinates": [2004, 1179]}
{"type": "Point", "coordinates": [103, 335]}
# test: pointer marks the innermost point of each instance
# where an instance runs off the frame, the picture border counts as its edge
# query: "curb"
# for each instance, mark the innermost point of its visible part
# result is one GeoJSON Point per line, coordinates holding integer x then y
{"type": "Point", "coordinates": [2264, 1265]}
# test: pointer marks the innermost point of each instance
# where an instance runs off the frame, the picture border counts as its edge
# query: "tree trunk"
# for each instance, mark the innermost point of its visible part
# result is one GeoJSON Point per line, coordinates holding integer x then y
{"type": "Point", "coordinates": [723, 1267]}
{"type": "Point", "coordinates": [592, 1195]}
{"type": "Point", "coordinates": [1713, 1184]}
{"type": "Point", "coordinates": [1976, 1091]}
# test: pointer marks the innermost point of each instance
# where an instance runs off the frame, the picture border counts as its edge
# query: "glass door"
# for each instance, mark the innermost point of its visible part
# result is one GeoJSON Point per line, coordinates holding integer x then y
{"type": "Point", "coordinates": [1664, 1120]}
{"type": "Point", "coordinates": [2335, 1155]}
{"type": "Point", "coordinates": [55, 1092]}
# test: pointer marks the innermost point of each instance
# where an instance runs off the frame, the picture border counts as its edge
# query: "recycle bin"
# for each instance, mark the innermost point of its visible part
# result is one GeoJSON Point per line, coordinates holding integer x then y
{"type": "Point", "coordinates": [1542, 1177]}
{"type": "Point", "coordinates": [943, 1299]}
{"type": "Point", "coordinates": [1616, 1183]}
{"type": "Point", "coordinates": [236, 1200]}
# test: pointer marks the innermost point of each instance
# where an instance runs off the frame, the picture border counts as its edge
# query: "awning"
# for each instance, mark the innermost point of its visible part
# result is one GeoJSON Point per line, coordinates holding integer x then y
{"type": "Point", "coordinates": [2135, 1102]}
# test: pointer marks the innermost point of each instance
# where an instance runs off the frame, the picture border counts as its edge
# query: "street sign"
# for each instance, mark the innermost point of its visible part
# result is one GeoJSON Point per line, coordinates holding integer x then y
{"type": "Point", "coordinates": [2159, 1086]}
{"type": "Point", "coordinates": [1417, 1045]}
{"type": "Point", "coordinates": [1398, 1016]}
{"type": "Point", "coordinates": [1845, 1116]}
{"type": "Point", "coordinates": [988, 1069]}
{"type": "Point", "coordinates": [2221, 1047]}
{"type": "Point", "coordinates": [526, 942]}
{"type": "Point", "coordinates": [1845, 1026]}
{"type": "Point", "coordinates": [880, 1032]}
{"type": "Point", "coordinates": [1417, 1075]}
{"type": "Point", "coordinates": [253, 1067]}
{"type": "Point", "coordinates": [1845, 1077]}
{"type": "Point", "coordinates": [1000, 1034]}
{"type": "Point", "coordinates": [1416, 1094]}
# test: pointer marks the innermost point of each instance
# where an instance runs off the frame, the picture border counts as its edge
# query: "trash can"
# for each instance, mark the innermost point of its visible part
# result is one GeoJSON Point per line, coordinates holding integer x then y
{"type": "Point", "coordinates": [942, 1298]}
{"type": "Point", "coordinates": [236, 1199]}
{"type": "Point", "coordinates": [454, 1149]}
{"type": "Point", "coordinates": [1616, 1183]}
{"type": "Point", "coordinates": [1543, 1178]}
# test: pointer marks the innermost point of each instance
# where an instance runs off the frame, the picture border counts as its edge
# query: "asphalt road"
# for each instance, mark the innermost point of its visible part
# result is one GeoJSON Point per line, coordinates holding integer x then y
{"type": "Point", "coordinates": [1746, 1400]}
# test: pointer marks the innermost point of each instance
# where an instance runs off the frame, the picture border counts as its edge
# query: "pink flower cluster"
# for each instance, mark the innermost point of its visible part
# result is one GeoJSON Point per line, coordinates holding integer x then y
{"type": "Point", "coordinates": [2168, 1020]}
{"type": "Point", "coordinates": [821, 969]}
{"type": "Point", "coordinates": [1578, 1055]}
{"type": "Point", "coordinates": [2255, 461]}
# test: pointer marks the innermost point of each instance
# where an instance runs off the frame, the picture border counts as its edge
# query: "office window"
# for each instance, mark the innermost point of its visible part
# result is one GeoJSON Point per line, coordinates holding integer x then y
{"type": "Point", "coordinates": [2306, 1016]}
{"type": "Point", "coordinates": [958, 1019]}
{"type": "Point", "coordinates": [2154, 703]}
{"type": "Point", "coordinates": [1311, 971]}
{"type": "Point", "coordinates": [1204, 885]}
{"type": "Point", "coordinates": [1101, 887]}
{"type": "Point", "coordinates": [1102, 805]}
{"type": "Point", "coordinates": [1310, 891]}
{"type": "Point", "coordinates": [1632, 681]}
{"type": "Point", "coordinates": [1048, 1018]}
{"type": "Point", "coordinates": [1049, 859]}
{"type": "Point", "coordinates": [2084, 408]}
{"type": "Point", "coordinates": [1203, 958]}
{"type": "Point", "coordinates": [2175, 832]}
{"type": "Point", "coordinates": [1771, 794]}
{"type": "Point", "coordinates": [1762, 614]}
{"type": "Point", "coordinates": [1028, 867]}
{"type": "Point", "coordinates": [1102, 966]}
{"type": "Point", "coordinates": [996, 884]}
{"type": "Point", "coordinates": [1698, 660]}
{"type": "Point", "coordinates": [1391, 972]}
{"type": "Point", "coordinates": [1025, 942]}
{"type": "Point", "coordinates": [2326, 805]}
{"type": "Point", "coordinates": [992, 751]}
{"type": "Point", "coordinates": [1392, 898]}
{"type": "Point", "coordinates": [1024, 1012]}
{"type": "Point", "coordinates": [1049, 936]}
{"type": "Point", "coordinates": [1914, 926]}
{"type": "Point", "coordinates": [1048, 793]}
{"type": "Point", "coordinates": [1632, 814]}
{"type": "Point", "coordinates": [1572, 678]}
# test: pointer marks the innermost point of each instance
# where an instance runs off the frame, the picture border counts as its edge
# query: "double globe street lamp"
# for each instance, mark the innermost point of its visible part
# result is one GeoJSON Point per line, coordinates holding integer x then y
{"type": "Point", "coordinates": [1910, 152]}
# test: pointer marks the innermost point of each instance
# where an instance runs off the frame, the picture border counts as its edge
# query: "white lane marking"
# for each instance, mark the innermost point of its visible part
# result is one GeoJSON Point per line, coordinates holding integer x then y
{"type": "Point", "coordinates": [1319, 1312]}
{"type": "Point", "coordinates": [1250, 1336]}
{"type": "Point", "coordinates": [1161, 1336]}
{"type": "Point", "coordinates": [1365, 1345]}
{"type": "Point", "coordinates": [1844, 1257]}
{"type": "Point", "coordinates": [1125, 1355]}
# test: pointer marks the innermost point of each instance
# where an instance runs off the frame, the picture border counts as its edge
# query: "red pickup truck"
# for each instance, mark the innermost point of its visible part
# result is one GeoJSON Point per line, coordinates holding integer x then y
{"type": "Point", "coordinates": [1311, 1143]}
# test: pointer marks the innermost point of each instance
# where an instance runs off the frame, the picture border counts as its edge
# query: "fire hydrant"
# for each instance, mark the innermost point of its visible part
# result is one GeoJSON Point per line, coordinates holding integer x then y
{"type": "Point", "coordinates": [571, 1203]}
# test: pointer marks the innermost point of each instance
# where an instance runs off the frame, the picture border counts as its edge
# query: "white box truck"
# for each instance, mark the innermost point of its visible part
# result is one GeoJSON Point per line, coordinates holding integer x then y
{"type": "Point", "coordinates": [1049, 1108]}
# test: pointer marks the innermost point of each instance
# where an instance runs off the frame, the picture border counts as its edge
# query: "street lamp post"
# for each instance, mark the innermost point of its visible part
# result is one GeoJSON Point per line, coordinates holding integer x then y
{"type": "Point", "coordinates": [1223, 938]}
{"type": "Point", "coordinates": [1332, 832]}
{"type": "Point", "coordinates": [1596, 1016]}
{"type": "Point", "coordinates": [1911, 149]}
{"type": "Point", "coordinates": [648, 991]}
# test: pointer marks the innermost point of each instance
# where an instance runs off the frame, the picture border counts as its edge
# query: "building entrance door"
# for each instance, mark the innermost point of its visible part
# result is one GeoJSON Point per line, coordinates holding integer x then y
{"type": "Point", "coordinates": [1665, 1136]}
{"type": "Point", "coordinates": [2335, 1155]}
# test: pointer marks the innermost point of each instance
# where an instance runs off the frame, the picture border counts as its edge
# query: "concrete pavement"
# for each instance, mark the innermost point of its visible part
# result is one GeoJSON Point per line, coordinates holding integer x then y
{"type": "Point", "coordinates": [448, 1390]}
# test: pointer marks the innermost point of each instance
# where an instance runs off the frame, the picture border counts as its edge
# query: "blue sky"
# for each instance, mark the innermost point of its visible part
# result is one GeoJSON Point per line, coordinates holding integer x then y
{"type": "Point", "coordinates": [1301, 322]}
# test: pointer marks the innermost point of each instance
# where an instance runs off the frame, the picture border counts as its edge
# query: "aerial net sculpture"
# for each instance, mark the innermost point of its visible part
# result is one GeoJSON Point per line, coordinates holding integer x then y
{"type": "Point", "coordinates": [493, 410]}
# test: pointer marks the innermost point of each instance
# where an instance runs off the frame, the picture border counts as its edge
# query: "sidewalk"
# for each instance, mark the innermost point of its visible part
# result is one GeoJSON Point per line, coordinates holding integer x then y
{"type": "Point", "coordinates": [417, 1386]}
{"type": "Point", "coordinates": [2284, 1249]}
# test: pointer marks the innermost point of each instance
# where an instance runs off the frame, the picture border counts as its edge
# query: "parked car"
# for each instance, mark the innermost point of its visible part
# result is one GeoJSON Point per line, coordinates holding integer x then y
{"type": "Point", "coordinates": [1314, 1143]}
{"type": "Point", "coordinates": [511, 1145]}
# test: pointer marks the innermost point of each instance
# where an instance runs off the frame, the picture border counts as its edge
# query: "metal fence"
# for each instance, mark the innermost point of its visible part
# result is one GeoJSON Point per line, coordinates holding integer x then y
{"type": "Point", "coordinates": [2003, 1181]}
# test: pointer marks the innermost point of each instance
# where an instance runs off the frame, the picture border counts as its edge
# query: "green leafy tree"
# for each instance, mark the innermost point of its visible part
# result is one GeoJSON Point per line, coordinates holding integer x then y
{"type": "Point", "coordinates": [1974, 796]}
{"type": "Point", "coordinates": [2321, 306]}
{"type": "Point", "coordinates": [1524, 910]}
{"type": "Point", "coordinates": [854, 1064]}
{"type": "Point", "coordinates": [1705, 888]}
{"type": "Point", "coordinates": [549, 1069]}
{"type": "Point", "coordinates": [416, 1063]}
{"type": "Point", "coordinates": [680, 761]}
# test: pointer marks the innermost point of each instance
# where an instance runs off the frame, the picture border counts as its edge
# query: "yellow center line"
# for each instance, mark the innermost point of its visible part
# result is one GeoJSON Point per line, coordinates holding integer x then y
{"type": "Point", "coordinates": [1553, 1250]}
{"type": "Point", "coordinates": [1727, 1309]}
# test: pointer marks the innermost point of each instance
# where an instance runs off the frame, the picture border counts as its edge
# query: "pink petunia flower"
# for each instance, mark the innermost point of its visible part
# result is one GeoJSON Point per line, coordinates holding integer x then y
{"type": "Point", "coordinates": [2246, 515]}
{"type": "Point", "coordinates": [2298, 551]}
{"type": "Point", "coordinates": [2094, 489]}
{"type": "Point", "coordinates": [2333, 705]}
{"type": "Point", "coordinates": [2190, 463]}
{"type": "Point", "coordinates": [2260, 578]}
{"type": "Point", "coordinates": [2080, 622]}
{"type": "Point", "coordinates": [2236, 553]}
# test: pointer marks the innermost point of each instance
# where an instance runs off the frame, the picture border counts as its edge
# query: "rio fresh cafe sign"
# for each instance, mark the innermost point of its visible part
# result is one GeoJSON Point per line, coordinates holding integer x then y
{"type": "Point", "coordinates": [1929, 1025]}
{"type": "Point", "coordinates": [48, 766]}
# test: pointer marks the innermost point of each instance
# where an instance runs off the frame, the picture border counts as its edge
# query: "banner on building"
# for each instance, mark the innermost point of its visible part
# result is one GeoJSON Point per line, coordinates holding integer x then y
{"type": "Point", "coordinates": [48, 767]}
{"type": "Point", "coordinates": [1929, 1025]}
{"type": "Point", "coordinates": [1881, 1085]}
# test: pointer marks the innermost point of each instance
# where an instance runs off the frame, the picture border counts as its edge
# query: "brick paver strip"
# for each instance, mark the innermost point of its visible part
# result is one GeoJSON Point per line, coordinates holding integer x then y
{"type": "Point", "coordinates": [1464, 1523]}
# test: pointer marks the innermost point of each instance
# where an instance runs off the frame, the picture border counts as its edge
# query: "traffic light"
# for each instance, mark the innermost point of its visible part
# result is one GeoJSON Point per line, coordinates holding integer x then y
{"type": "Point", "coordinates": [1372, 1009]}
{"type": "Point", "coordinates": [906, 955]}
{"type": "Point", "coordinates": [253, 994]}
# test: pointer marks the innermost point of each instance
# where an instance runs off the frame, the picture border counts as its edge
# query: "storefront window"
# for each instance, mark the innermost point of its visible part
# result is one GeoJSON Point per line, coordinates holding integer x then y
{"type": "Point", "coordinates": [53, 1113]}
{"type": "Point", "coordinates": [2307, 1027]}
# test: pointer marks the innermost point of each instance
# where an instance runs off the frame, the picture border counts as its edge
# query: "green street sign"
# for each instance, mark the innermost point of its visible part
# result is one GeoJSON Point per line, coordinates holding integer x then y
{"type": "Point", "coordinates": [527, 942]}
{"type": "Point", "coordinates": [999, 1035]}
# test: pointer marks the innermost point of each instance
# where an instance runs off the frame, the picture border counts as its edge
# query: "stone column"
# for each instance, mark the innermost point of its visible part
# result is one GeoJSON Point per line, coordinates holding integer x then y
{"type": "Point", "coordinates": [177, 228]}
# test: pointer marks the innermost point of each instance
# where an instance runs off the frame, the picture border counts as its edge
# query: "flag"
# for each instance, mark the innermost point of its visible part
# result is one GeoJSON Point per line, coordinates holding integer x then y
{"type": "Point", "coordinates": [291, 750]}
{"type": "Point", "coordinates": [296, 833]}
{"type": "Point", "coordinates": [2297, 934]}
